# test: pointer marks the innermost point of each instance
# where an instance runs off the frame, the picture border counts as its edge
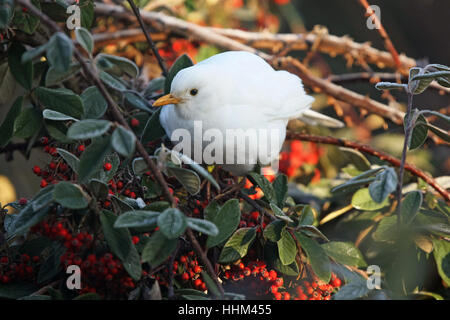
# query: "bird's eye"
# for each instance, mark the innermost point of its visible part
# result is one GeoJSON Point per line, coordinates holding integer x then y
{"type": "Point", "coordinates": [193, 92]}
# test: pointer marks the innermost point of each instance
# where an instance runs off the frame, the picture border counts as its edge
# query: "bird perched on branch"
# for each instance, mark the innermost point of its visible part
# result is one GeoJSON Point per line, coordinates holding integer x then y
{"type": "Point", "coordinates": [232, 109]}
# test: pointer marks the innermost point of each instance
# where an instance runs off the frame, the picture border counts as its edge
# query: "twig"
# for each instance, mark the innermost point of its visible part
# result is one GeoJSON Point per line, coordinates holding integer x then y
{"type": "Point", "coordinates": [369, 150]}
{"type": "Point", "coordinates": [408, 131]}
{"type": "Point", "coordinates": [148, 37]}
{"type": "Point", "coordinates": [205, 260]}
{"type": "Point", "coordinates": [329, 44]}
{"type": "Point", "coordinates": [294, 66]}
{"type": "Point", "coordinates": [165, 23]}
{"type": "Point", "coordinates": [387, 41]}
{"type": "Point", "coordinates": [380, 76]}
{"type": "Point", "coordinates": [170, 293]}
{"type": "Point", "coordinates": [114, 108]}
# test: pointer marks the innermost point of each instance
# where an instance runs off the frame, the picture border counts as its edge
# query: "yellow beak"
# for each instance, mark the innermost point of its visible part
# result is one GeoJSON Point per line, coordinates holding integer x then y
{"type": "Point", "coordinates": [167, 99]}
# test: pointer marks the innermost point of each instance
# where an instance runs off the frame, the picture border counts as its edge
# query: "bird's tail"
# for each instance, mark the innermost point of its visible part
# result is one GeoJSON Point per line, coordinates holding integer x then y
{"type": "Point", "coordinates": [314, 118]}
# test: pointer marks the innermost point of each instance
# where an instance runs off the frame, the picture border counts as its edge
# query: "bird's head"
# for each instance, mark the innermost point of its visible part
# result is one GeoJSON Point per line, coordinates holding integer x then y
{"type": "Point", "coordinates": [192, 91]}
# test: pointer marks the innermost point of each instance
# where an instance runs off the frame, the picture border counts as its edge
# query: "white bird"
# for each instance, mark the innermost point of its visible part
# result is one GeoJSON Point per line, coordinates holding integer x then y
{"type": "Point", "coordinates": [236, 90]}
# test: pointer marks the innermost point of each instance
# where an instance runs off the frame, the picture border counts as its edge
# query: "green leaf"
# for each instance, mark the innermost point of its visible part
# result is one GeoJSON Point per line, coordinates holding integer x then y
{"type": "Point", "coordinates": [87, 129]}
{"type": "Point", "coordinates": [352, 290]}
{"type": "Point", "coordinates": [264, 184]}
{"type": "Point", "coordinates": [188, 178]}
{"type": "Point", "coordinates": [312, 231]}
{"type": "Point", "coordinates": [236, 247]}
{"type": "Point", "coordinates": [61, 100]}
{"type": "Point", "coordinates": [16, 290]}
{"type": "Point", "coordinates": [280, 187]}
{"type": "Point", "coordinates": [153, 86]}
{"type": "Point", "coordinates": [22, 72]}
{"type": "Point", "coordinates": [210, 284]}
{"type": "Point", "coordinates": [137, 219]}
{"type": "Point", "coordinates": [119, 240]}
{"type": "Point", "coordinates": [317, 256]}
{"type": "Point", "coordinates": [92, 158]}
{"type": "Point", "coordinates": [211, 211]}
{"type": "Point", "coordinates": [439, 132]}
{"type": "Point", "coordinates": [52, 265]}
{"type": "Point", "coordinates": [153, 129]}
{"type": "Point", "coordinates": [112, 82]}
{"type": "Point", "coordinates": [57, 130]}
{"type": "Point", "coordinates": [70, 158]}
{"type": "Point", "coordinates": [56, 115]}
{"type": "Point", "coordinates": [85, 39]}
{"type": "Point", "coordinates": [135, 101]}
{"type": "Point", "coordinates": [197, 168]}
{"type": "Point", "coordinates": [227, 220]}
{"type": "Point", "coordinates": [123, 141]}
{"type": "Point", "coordinates": [28, 123]}
{"type": "Point", "coordinates": [410, 206]}
{"type": "Point", "coordinates": [7, 127]}
{"type": "Point", "coordinates": [441, 254]}
{"type": "Point", "coordinates": [172, 223]}
{"type": "Point", "coordinates": [116, 65]}
{"type": "Point", "coordinates": [431, 75]}
{"type": "Point", "coordinates": [182, 62]}
{"type": "Point", "coordinates": [54, 77]}
{"type": "Point", "coordinates": [386, 230]}
{"type": "Point", "coordinates": [59, 51]}
{"type": "Point", "coordinates": [356, 158]}
{"type": "Point", "coordinates": [94, 104]}
{"type": "Point", "coordinates": [87, 13]}
{"type": "Point", "coordinates": [417, 86]}
{"type": "Point", "coordinates": [279, 213]}
{"type": "Point", "coordinates": [345, 253]}
{"type": "Point", "coordinates": [88, 296]}
{"type": "Point", "coordinates": [389, 86]}
{"type": "Point", "coordinates": [384, 184]}
{"type": "Point", "coordinates": [26, 21]}
{"type": "Point", "coordinates": [26, 218]}
{"type": "Point", "coordinates": [70, 195]}
{"type": "Point", "coordinates": [99, 189]}
{"type": "Point", "coordinates": [272, 231]}
{"type": "Point", "coordinates": [307, 217]}
{"type": "Point", "coordinates": [287, 249]}
{"type": "Point", "coordinates": [157, 249]}
{"type": "Point", "coordinates": [362, 200]}
{"type": "Point", "coordinates": [359, 180]}
{"type": "Point", "coordinates": [419, 133]}
{"type": "Point", "coordinates": [203, 226]}
{"type": "Point", "coordinates": [6, 13]}
{"type": "Point", "coordinates": [34, 53]}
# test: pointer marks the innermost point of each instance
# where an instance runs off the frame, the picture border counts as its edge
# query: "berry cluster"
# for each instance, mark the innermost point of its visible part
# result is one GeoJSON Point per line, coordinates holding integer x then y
{"type": "Point", "coordinates": [300, 153]}
{"type": "Point", "coordinates": [187, 270]}
{"type": "Point", "coordinates": [24, 268]}
{"type": "Point", "coordinates": [102, 274]}
{"type": "Point", "coordinates": [257, 282]}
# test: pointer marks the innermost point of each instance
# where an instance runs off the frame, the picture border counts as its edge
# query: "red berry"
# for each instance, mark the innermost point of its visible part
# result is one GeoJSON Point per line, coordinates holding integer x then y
{"type": "Point", "coordinates": [254, 215]}
{"type": "Point", "coordinates": [52, 165]}
{"type": "Point", "coordinates": [81, 147]}
{"type": "Point", "coordinates": [135, 239]}
{"type": "Point", "coordinates": [107, 166]}
{"type": "Point", "coordinates": [287, 296]}
{"type": "Point", "coordinates": [23, 201]}
{"type": "Point", "coordinates": [185, 276]}
{"type": "Point", "coordinates": [44, 183]}
{"type": "Point", "coordinates": [198, 282]}
{"type": "Point", "coordinates": [277, 295]}
{"type": "Point", "coordinates": [197, 269]}
{"type": "Point", "coordinates": [133, 195]}
{"type": "Point", "coordinates": [134, 122]}
{"type": "Point", "coordinates": [37, 170]}
{"type": "Point", "coordinates": [336, 282]}
{"type": "Point", "coordinates": [120, 185]}
{"type": "Point", "coordinates": [44, 140]}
